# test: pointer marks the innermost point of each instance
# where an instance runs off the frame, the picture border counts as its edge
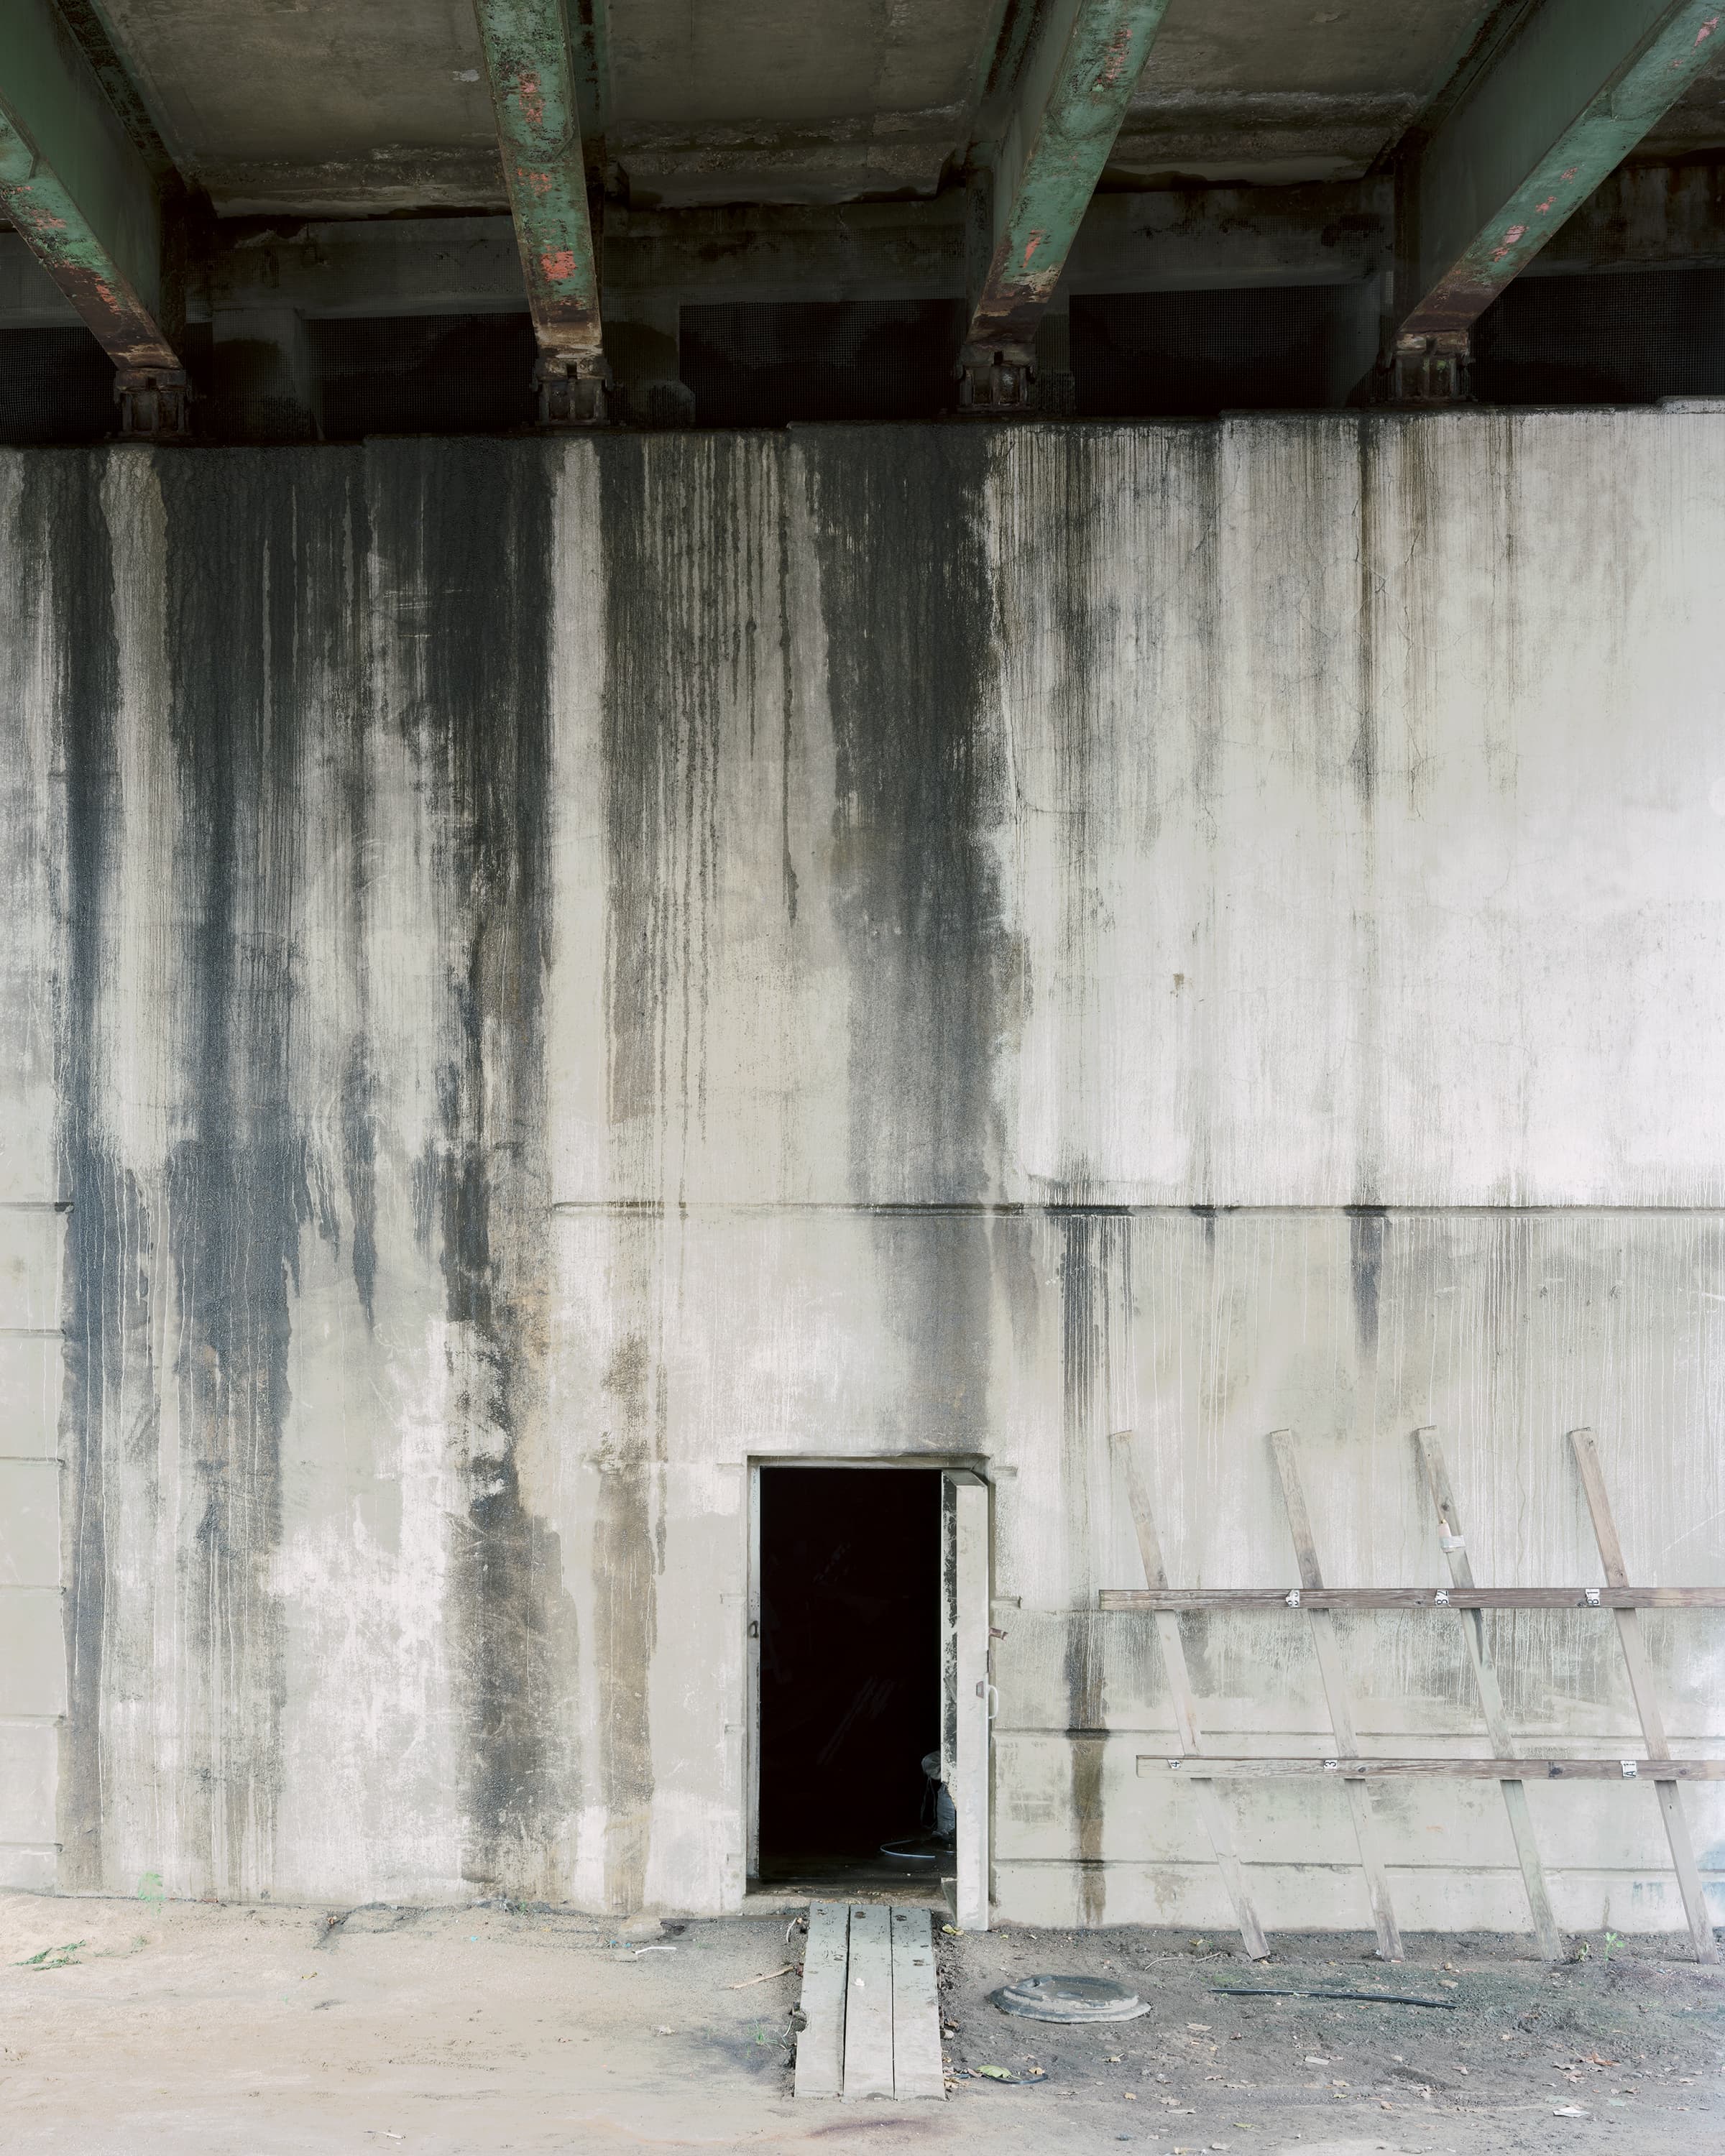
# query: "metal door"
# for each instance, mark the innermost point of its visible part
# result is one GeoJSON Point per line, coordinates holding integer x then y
{"type": "Point", "coordinates": [966, 1697]}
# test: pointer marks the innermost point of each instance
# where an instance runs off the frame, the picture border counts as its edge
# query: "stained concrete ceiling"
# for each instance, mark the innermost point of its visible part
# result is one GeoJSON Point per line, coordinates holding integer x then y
{"type": "Point", "coordinates": [368, 107]}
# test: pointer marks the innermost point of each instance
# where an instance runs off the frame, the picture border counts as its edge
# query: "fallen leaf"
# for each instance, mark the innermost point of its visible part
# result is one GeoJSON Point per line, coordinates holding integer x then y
{"type": "Point", "coordinates": [996, 2073]}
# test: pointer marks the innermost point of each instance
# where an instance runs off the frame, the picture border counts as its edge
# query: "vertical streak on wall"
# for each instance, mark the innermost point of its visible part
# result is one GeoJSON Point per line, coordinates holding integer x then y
{"type": "Point", "coordinates": [626, 1561]}
{"type": "Point", "coordinates": [909, 606]}
{"type": "Point", "coordinates": [1060, 537]}
{"type": "Point", "coordinates": [257, 592]}
{"type": "Point", "coordinates": [1095, 1330]}
{"type": "Point", "coordinates": [899, 527]}
{"type": "Point", "coordinates": [135, 1044]}
{"type": "Point", "coordinates": [689, 531]}
{"type": "Point", "coordinates": [462, 532]}
{"type": "Point", "coordinates": [62, 551]}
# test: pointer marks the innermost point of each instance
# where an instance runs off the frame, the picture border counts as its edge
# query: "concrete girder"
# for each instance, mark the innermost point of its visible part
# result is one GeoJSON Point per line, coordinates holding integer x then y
{"type": "Point", "coordinates": [1541, 121]}
{"type": "Point", "coordinates": [537, 92]}
{"type": "Point", "coordinates": [1035, 178]}
{"type": "Point", "coordinates": [1176, 240]}
{"type": "Point", "coordinates": [85, 203]}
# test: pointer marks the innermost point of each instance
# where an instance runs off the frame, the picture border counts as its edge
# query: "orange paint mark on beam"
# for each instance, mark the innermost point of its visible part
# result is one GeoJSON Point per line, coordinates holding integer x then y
{"type": "Point", "coordinates": [531, 97]}
{"type": "Point", "coordinates": [1113, 64]}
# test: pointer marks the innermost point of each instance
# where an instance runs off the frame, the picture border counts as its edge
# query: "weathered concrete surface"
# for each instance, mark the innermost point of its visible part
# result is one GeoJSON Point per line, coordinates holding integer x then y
{"type": "Point", "coordinates": [568, 966]}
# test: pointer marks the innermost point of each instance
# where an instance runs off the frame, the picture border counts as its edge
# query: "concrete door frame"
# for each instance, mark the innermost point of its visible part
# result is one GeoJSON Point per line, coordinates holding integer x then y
{"type": "Point", "coordinates": [970, 1465]}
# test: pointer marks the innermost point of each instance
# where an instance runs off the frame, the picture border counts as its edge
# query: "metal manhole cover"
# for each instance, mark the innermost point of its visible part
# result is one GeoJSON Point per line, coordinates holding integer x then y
{"type": "Point", "coordinates": [1068, 1999]}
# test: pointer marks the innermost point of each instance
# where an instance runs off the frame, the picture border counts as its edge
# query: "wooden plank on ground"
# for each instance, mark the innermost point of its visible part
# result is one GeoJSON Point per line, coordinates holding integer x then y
{"type": "Point", "coordinates": [916, 2008]}
{"type": "Point", "coordinates": [1210, 1808]}
{"type": "Point", "coordinates": [820, 2045]}
{"type": "Point", "coordinates": [868, 2003]}
{"type": "Point", "coordinates": [1258, 1767]}
{"type": "Point", "coordinates": [1454, 1542]}
{"type": "Point", "coordinates": [1641, 1677]}
{"type": "Point", "coordinates": [1336, 1692]}
{"type": "Point", "coordinates": [1189, 1598]}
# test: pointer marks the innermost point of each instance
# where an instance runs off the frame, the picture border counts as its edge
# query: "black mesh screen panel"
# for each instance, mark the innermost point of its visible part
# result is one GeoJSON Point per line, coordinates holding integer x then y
{"type": "Point", "coordinates": [759, 366]}
{"type": "Point", "coordinates": [1190, 355]}
{"type": "Point", "coordinates": [1631, 338]}
{"type": "Point", "coordinates": [55, 386]}
{"type": "Point", "coordinates": [425, 374]}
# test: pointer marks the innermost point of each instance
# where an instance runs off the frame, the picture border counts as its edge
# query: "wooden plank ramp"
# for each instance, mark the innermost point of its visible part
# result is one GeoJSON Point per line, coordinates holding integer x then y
{"type": "Point", "coordinates": [870, 2006]}
{"type": "Point", "coordinates": [820, 2045]}
{"type": "Point", "coordinates": [916, 2009]}
{"type": "Point", "coordinates": [868, 2003]}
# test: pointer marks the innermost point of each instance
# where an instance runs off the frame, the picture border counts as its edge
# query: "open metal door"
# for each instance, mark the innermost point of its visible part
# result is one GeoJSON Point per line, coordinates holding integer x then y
{"type": "Point", "coordinates": [752, 1794]}
{"type": "Point", "coordinates": [965, 1697]}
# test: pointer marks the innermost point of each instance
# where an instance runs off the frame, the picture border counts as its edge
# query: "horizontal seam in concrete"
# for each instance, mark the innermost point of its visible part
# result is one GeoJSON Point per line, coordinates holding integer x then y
{"type": "Point", "coordinates": [1064, 1210]}
{"type": "Point", "coordinates": [1651, 1871]}
{"type": "Point", "coordinates": [31, 1332]}
{"type": "Point", "coordinates": [1611, 1746]}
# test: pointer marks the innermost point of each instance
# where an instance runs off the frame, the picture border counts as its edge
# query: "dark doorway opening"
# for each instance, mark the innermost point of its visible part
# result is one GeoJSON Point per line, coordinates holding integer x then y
{"type": "Point", "coordinates": [850, 1675]}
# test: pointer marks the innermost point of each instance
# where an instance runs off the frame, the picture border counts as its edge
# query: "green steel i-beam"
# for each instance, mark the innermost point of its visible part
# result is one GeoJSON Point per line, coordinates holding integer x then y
{"type": "Point", "coordinates": [1575, 87]}
{"type": "Point", "coordinates": [79, 193]}
{"type": "Point", "coordinates": [1048, 151]}
{"type": "Point", "coordinates": [536, 93]}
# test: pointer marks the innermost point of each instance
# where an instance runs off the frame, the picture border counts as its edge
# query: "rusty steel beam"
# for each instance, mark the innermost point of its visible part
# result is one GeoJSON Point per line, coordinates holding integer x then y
{"type": "Point", "coordinates": [81, 197]}
{"type": "Point", "coordinates": [540, 83]}
{"type": "Point", "coordinates": [1527, 132]}
{"type": "Point", "coordinates": [1047, 144]}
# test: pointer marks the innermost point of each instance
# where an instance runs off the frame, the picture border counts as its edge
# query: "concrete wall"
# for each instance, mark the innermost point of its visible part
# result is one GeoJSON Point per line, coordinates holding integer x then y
{"type": "Point", "coordinates": [562, 968]}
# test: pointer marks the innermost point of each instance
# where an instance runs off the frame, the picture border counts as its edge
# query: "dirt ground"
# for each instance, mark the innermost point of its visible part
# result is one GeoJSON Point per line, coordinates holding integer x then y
{"type": "Point", "coordinates": [130, 2028]}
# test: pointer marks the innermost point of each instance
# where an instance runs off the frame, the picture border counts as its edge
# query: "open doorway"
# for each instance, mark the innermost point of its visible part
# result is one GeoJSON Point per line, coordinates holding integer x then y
{"type": "Point", "coordinates": [848, 1586]}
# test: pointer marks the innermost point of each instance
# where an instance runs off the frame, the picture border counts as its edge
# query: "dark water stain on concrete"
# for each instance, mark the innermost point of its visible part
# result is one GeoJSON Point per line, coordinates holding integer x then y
{"type": "Point", "coordinates": [696, 654]}
{"type": "Point", "coordinates": [625, 1596]}
{"type": "Point", "coordinates": [258, 596]}
{"type": "Point", "coordinates": [691, 585]}
{"type": "Point", "coordinates": [463, 541]}
{"type": "Point", "coordinates": [1364, 756]}
{"type": "Point", "coordinates": [693, 580]}
{"type": "Point", "coordinates": [108, 1419]}
{"type": "Point", "coordinates": [908, 605]}
{"type": "Point", "coordinates": [1096, 1289]}
{"type": "Point", "coordinates": [1365, 1265]}
{"type": "Point", "coordinates": [1071, 535]}
{"type": "Point", "coordinates": [909, 613]}
{"type": "Point", "coordinates": [359, 1172]}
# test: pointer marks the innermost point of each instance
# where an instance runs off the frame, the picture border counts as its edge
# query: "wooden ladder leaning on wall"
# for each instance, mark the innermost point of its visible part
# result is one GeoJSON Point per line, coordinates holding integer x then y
{"type": "Point", "coordinates": [1318, 1603]}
